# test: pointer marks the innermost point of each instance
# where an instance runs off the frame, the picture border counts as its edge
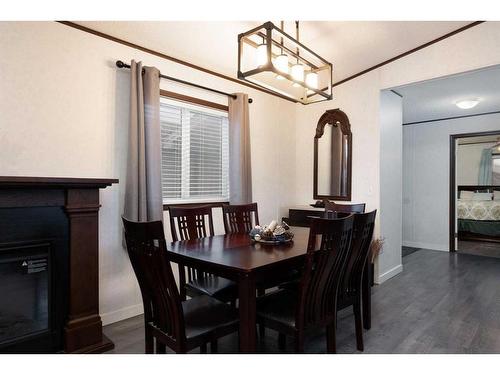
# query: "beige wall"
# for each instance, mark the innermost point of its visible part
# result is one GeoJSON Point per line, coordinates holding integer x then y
{"type": "Point", "coordinates": [64, 112]}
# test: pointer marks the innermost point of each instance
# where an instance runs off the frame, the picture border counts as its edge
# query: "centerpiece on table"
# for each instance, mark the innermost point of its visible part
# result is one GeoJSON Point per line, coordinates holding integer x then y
{"type": "Point", "coordinates": [273, 233]}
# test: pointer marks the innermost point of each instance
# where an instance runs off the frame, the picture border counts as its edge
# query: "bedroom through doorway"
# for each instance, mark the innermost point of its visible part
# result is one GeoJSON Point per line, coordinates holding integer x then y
{"type": "Point", "coordinates": [475, 193]}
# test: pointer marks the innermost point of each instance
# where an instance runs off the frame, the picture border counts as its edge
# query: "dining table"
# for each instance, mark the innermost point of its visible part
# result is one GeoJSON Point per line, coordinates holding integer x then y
{"type": "Point", "coordinates": [239, 258]}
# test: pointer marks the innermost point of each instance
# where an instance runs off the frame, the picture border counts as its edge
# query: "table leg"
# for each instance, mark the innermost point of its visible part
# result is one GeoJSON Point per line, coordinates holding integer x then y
{"type": "Point", "coordinates": [247, 313]}
{"type": "Point", "coordinates": [367, 296]}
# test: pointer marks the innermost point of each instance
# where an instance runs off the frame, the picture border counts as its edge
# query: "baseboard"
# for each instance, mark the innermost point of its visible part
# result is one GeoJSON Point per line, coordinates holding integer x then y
{"type": "Point", "coordinates": [391, 273]}
{"type": "Point", "coordinates": [425, 245]}
{"type": "Point", "coordinates": [122, 314]}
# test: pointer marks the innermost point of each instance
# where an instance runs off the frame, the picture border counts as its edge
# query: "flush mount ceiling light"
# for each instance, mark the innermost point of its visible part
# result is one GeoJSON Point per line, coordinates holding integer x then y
{"type": "Point", "coordinates": [272, 59]}
{"type": "Point", "coordinates": [467, 104]}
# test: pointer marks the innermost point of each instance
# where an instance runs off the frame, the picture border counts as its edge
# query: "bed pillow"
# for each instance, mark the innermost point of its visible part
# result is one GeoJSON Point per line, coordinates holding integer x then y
{"type": "Point", "coordinates": [482, 197]}
{"type": "Point", "coordinates": [466, 195]}
{"type": "Point", "coordinates": [496, 195]}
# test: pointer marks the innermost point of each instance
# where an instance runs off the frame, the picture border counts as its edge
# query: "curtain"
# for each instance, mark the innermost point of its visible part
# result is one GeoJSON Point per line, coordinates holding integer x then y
{"type": "Point", "coordinates": [240, 171]}
{"type": "Point", "coordinates": [143, 195]}
{"type": "Point", "coordinates": [486, 167]}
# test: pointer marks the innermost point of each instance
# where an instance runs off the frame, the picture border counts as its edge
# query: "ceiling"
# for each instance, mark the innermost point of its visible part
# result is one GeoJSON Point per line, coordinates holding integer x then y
{"type": "Point", "coordinates": [351, 46]}
{"type": "Point", "coordinates": [436, 98]}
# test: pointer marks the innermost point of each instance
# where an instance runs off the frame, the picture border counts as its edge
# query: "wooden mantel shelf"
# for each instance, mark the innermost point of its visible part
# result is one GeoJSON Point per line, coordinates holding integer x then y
{"type": "Point", "coordinates": [54, 182]}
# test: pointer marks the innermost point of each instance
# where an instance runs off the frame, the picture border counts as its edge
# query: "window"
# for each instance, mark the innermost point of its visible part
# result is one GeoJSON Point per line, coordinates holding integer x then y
{"type": "Point", "coordinates": [195, 153]}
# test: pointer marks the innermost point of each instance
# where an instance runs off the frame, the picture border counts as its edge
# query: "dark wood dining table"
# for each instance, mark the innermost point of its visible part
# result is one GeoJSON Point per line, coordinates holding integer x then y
{"type": "Point", "coordinates": [238, 258]}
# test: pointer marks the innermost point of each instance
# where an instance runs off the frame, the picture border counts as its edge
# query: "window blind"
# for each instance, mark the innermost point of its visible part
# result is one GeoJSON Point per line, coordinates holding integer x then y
{"type": "Point", "coordinates": [195, 153]}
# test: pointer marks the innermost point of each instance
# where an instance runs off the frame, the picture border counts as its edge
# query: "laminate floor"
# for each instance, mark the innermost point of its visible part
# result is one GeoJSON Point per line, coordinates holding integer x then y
{"type": "Point", "coordinates": [406, 250]}
{"type": "Point", "coordinates": [440, 303]}
{"type": "Point", "coordinates": [483, 248]}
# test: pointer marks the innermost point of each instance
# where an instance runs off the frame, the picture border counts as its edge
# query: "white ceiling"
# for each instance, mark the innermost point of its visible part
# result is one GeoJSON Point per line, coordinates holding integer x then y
{"type": "Point", "coordinates": [351, 46]}
{"type": "Point", "coordinates": [436, 98]}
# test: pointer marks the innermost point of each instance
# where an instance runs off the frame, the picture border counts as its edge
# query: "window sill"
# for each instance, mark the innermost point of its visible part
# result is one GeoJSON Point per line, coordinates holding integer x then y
{"type": "Point", "coordinates": [194, 202]}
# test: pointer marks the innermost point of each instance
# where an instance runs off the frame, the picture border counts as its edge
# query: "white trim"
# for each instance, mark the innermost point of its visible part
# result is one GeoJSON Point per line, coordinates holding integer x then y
{"type": "Point", "coordinates": [173, 202]}
{"type": "Point", "coordinates": [426, 245]}
{"type": "Point", "coordinates": [122, 314]}
{"type": "Point", "coordinates": [194, 106]}
{"type": "Point", "coordinates": [389, 274]}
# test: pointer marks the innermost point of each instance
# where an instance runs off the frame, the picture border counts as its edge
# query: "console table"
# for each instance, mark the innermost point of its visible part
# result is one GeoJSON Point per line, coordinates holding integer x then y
{"type": "Point", "coordinates": [298, 216]}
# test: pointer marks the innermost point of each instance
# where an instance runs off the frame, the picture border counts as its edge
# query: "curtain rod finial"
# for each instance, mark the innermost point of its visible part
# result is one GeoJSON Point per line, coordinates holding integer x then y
{"type": "Point", "coordinates": [250, 100]}
{"type": "Point", "coordinates": [120, 64]}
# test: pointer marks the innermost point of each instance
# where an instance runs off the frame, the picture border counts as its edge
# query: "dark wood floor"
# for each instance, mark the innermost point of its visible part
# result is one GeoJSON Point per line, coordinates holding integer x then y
{"type": "Point", "coordinates": [441, 303]}
{"type": "Point", "coordinates": [483, 248]}
{"type": "Point", "coordinates": [406, 250]}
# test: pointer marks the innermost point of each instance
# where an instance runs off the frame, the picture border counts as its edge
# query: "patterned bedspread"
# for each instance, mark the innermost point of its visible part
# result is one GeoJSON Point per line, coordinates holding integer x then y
{"type": "Point", "coordinates": [478, 210]}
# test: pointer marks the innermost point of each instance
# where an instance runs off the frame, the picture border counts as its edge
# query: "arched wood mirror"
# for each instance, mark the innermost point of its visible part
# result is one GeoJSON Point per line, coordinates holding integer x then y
{"type": "Point", "coordinates": [333, 156]}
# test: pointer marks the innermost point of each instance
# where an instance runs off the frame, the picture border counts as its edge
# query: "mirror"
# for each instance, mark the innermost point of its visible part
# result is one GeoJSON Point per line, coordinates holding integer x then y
{"type": "Point", "coordinates": [333, 156]}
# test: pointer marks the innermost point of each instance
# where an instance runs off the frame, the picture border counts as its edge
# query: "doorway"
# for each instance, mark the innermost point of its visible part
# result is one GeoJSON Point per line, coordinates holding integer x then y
{"type": "Point", "coordinates": [475, 193]}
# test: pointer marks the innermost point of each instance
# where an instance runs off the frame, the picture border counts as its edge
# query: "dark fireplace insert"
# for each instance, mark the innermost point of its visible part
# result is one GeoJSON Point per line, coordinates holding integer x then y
{"type": "Point", "coordinates": [25, 275]}
{"type": "Point", "coordinates": [33, 279]}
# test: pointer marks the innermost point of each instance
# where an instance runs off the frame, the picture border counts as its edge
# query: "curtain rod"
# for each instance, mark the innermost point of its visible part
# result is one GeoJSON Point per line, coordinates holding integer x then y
{"type": "Point", "coordinates": [121, 64]}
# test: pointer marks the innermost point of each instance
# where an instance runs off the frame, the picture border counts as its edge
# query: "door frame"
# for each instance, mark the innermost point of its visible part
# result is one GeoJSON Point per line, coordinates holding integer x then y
{"type": "Point", "coordinates": [453, 138]}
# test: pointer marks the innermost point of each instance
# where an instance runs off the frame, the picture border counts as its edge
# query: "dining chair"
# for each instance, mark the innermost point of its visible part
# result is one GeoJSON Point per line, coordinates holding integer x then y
{"type": "Point", "coordinates": [352, 284]}
{"type": "Point", "coordinates": [193, 222]}
{"type": "Point", "coordinates": [314, 303]}
{"type": "Point", "coordinates": [238, 218]}
{"type": "Point", "coordinates": [180, 325]}
{"type": "Point", "coordinates": [332, 208]}
{"type": "Point", "coordinates": [190, 222]}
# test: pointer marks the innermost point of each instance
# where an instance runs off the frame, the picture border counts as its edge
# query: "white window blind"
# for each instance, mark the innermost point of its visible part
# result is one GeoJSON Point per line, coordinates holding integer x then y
{"type": "Point", "coordinates": [195, 153]}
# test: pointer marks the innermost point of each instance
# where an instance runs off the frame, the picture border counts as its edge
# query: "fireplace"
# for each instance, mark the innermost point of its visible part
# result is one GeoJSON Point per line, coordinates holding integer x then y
{"type": "Point", "coordinates": [49, 265]}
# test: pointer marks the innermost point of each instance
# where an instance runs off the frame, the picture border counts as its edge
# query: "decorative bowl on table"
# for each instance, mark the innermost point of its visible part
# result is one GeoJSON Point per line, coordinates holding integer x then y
{"type": "Point", "coordinates": [273, 233]}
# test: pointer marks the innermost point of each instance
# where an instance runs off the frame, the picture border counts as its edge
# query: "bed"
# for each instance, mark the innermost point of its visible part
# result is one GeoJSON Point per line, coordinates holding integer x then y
{"type": "Point", "coordinates": [478, 214]}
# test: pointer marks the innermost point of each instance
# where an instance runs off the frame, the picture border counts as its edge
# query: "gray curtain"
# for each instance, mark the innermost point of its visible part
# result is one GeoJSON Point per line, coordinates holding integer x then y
{"type": "Point", "coordinates": [486, 167]}
{"type": "Point", "coordinates": [240, 169]}
{"type": "Point", "coordinates": [143, 195]}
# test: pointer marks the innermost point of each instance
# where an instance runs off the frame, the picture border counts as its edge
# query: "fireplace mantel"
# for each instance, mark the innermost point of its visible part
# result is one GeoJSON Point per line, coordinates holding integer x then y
{"type": "Point", "coordinates": [54, 182]}
{"type": "Point", "coordinates": [79, 199]}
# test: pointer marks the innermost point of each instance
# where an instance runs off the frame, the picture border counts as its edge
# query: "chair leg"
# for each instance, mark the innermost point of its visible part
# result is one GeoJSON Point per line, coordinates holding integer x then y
{"type": "Point", "coordinates": [203, 348]}
{"type": "Point", "coordinates": [160, 348]}
{"type": "Point", "coordinates": [358, 318]}
{"type": "Point", "coordinates": [213, 346]}
{"type": "Point", "coordinates": [281, 341]}
{"type": "Point", "coordinates": [299, 342]}
{"type": "Point", "coordinates": [262, 328]}
{"type": "Point", "coordinates": [331, 341]}
{"type": "Point", "coordinates": [182, 282]}
{"type": "Point", "coordinates": [149, 342]}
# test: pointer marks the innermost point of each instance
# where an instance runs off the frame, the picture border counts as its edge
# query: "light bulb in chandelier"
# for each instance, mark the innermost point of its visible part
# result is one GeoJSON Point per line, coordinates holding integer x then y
{"type": "Point", "coordinates": [297, 72]}
{"type": "Point", "coordinates": [262, 58]}
{"type": "Point", "coordinates": [281, 63]}
{"type": "Point", "coordinates": [312, 80]}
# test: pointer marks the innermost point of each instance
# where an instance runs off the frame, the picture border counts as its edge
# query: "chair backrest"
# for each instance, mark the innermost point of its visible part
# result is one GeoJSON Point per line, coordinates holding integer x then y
{"type": "Point", "coordinates": [148, 254]}
{"type": "Point", "coordinates": [361, 239]}
{"type": "Point", "coordinates": [332, 208]}
{"type": "Point", "coordinates": [187, 223]}
{"type": "Point", "coordinates": [238, 217]}
{"type": "Point", "coordinates": [323, 271]}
